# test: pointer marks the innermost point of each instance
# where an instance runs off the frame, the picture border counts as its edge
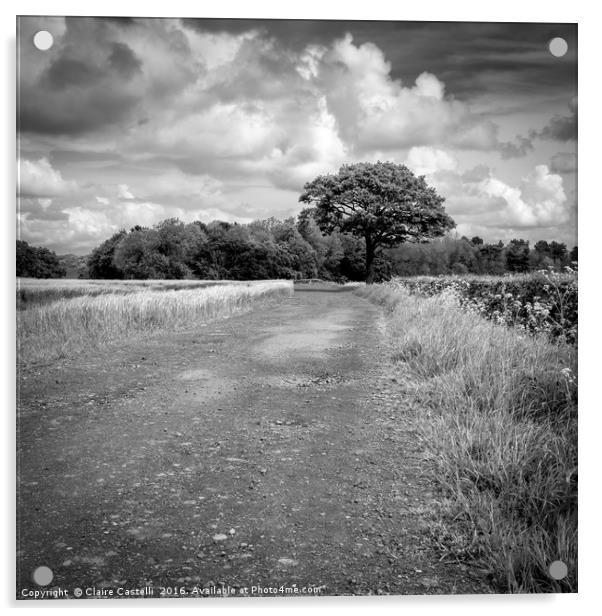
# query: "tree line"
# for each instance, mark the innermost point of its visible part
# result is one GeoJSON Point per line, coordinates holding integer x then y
{"type": "Point", "coordinates": [367, 222]}
{"type": "Point", "coordinates": [474, 256]}
{"type": "Point", "coordinates": [291, 249]}
{"type": "Point", "coordinates": [38, 262]}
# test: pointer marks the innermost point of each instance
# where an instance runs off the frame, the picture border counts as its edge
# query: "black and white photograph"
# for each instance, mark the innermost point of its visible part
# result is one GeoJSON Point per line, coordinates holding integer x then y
{"type": "Point", "coordinates": [296, 308]}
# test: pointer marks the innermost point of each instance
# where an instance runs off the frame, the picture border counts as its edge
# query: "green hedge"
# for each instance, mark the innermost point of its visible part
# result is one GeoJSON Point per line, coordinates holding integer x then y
{"type": "Point", "coordinates": [539, 302]}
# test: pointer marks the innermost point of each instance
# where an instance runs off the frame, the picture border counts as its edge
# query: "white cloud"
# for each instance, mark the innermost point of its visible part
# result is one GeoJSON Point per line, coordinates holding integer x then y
{"type": "Point", "coordinates": [424, 160]}
{"type": "Point", "coordinates": [215, 49]}
{"type": "Point", "coordinates": [212, 121]}
{"type": "Point", "coordinates": [124, 192]}
{"type": "Point", "coordinates": [375, 111]}
{"type": "Point", "coordinates": [260, 110]}
{"type": "Point", "coordinates": [478, 197]}
{"type": "Point", "coordinates": [428, 85]}
{"type": "Point", "coordinates": [37, 178]}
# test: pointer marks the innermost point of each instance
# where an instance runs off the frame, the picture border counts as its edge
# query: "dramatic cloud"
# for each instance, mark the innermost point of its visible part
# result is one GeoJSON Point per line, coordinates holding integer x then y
{"type": "Point", "coordinates": [93, 76]}
{"type": "Point", "coordinates": [478, 197]}
{"type": "Point", "coordinates": [561, 128]}
{"type": "Point", "coordinates": [155, 118]}
{"type": "Point", "coordinates": [538, 201]}
{"type": "Point", "coordinates": [375, 111]}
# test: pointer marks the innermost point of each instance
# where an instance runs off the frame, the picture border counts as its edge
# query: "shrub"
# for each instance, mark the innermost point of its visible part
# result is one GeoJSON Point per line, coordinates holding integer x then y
{"type": "Point", "coordinates": [542, 302]}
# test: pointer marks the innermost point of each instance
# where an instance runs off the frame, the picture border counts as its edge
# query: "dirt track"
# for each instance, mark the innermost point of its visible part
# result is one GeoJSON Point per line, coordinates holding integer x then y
{"type": "Point", "coordinates": [264, 450]}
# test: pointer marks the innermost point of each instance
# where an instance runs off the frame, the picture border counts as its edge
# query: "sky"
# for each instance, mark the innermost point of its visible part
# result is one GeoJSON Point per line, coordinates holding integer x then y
{"type": "Point", "coordinates": [128, 121]}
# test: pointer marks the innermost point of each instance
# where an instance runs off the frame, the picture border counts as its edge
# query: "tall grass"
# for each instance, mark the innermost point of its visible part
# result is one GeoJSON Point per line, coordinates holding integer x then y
{"type": "Point", "coordinates": [36, 291]}
{"type": "Point", "coordinates": [538, 302]}
{"type": "Point", "coordinates": [497, 414]}
{"type": "Point", "coordinates": [68, 326]}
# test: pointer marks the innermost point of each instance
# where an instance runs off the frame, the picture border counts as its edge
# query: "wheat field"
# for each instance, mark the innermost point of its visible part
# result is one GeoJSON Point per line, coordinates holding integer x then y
{"type": "Point", "coordinates": [70, 324]}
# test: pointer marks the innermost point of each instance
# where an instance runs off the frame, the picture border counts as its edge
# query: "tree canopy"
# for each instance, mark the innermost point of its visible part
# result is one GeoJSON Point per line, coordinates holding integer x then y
{"type": "Point", "coordinates": [37, 262]}
{"type": "Point", "coordinates": [383, 202]}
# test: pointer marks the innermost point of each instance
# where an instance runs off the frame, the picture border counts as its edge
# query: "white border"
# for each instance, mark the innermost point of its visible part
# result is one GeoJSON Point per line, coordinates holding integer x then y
{"type": "Point", "coordinates": [586, 14]}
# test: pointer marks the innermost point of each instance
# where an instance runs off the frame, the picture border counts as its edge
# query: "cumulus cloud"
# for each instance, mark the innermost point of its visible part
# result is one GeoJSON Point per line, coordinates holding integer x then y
{"type": "Point", "coordinates": [479, 197]}
{"type": "Point", "coordinates": [373, 110]}
{"type": "Point", "coordinates": [425, 160]}
{"type": "Point", "coordinates": [538, 201]}
{"type": "Point", "coordinates": [260, 110]}
{"type": "Point", "coordinates": [37, 178]}
{"type": "Point", "coordinates": [156, 118]}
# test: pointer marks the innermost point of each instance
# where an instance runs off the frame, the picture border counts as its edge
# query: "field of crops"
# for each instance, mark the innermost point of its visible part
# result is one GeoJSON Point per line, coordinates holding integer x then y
{"type": "Point", "coordinates": [36, 291]}
{"type": "Point", "coordinates": [540, 302]}
{"type": "Point", "coordinates": [59, 318]}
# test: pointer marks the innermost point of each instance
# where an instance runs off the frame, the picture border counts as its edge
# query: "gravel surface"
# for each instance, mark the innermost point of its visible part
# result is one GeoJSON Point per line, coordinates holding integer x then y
{"type": "Point", "coordinates": [272, 449]}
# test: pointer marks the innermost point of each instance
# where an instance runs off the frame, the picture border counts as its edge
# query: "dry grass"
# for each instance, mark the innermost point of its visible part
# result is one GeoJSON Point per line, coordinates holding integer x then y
{"type": "Point", "coordinates": [37, 291]}
{"type": "Point", "coordinates": [68, 326]}
{"type": "Point", "coordinates": [497, 413]}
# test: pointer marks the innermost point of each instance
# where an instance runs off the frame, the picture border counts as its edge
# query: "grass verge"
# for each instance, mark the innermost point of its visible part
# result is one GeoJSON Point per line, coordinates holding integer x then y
{"type": "Point", "coordinates": [497, 415]}
{"type": "Point", "coordinates": [68, 326]}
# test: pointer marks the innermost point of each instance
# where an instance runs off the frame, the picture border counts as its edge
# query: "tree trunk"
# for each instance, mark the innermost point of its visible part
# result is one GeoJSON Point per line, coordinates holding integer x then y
{"type": "Point", "coordinates": [370, 251]}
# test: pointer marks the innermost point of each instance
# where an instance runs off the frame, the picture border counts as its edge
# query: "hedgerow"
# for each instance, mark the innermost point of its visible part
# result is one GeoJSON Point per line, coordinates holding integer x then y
{"type": "Point", "coordinates": [540, 302]}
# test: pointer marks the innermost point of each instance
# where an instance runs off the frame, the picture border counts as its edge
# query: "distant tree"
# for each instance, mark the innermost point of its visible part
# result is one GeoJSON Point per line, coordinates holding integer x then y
{"type": "Point", "coordinates": [26, 260]}
{"type": "Point", "coordinates": [353, 263]}
{"type": "Point", "coordinates": [384, 203]}
{"type": "Point", "coordinates": [177, 241]}
{"type": "Point", "coordinates": [241, 252]}
{"type": "Point", "coordinates": [459, 268]}
{"type": "Point", "coordinates": [74, 266]}
{"type": "Point", "coordinates": [517, 256]}
{"type": "Point", "coordinates": [328, 248]}
{"type": "Point", "coordinates": [559, 253]}
{"type": "Point", "coordinates": [462, 252]}
{"type": "Point", "coordinates": [476, 241]}
{"type": "Point", "coordinates": [304, 257]}
{"type": "Point", "coordinates": [37, 262]}
{"type": "Point", "coordinates": [100, 262]}
{"type": "Point", "coordinates": [574, 254]}
{"type": "Point", "coordinates": [491, 258]}
{"type": "Point", "coordinates": [330, 257]}
{"type": "Point", "coordinates": [137, 257]}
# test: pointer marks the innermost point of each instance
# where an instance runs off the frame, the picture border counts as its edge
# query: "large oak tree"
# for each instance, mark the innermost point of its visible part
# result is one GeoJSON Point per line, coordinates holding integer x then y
{"type": "Point", "coordinates": [385, 203]}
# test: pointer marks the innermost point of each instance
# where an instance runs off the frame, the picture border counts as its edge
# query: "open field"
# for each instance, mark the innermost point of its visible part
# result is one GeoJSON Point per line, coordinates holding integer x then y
{"type": "Point", "coordinates": [102, 313]}
{"type": "Point", "coordinates": [36, 291]}
{"type": "Point", "coordinates": [496, 411]}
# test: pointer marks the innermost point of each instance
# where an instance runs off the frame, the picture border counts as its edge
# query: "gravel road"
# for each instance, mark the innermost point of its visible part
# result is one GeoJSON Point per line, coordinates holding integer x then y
{"type": "Point", "coordinates": [269, 450]}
